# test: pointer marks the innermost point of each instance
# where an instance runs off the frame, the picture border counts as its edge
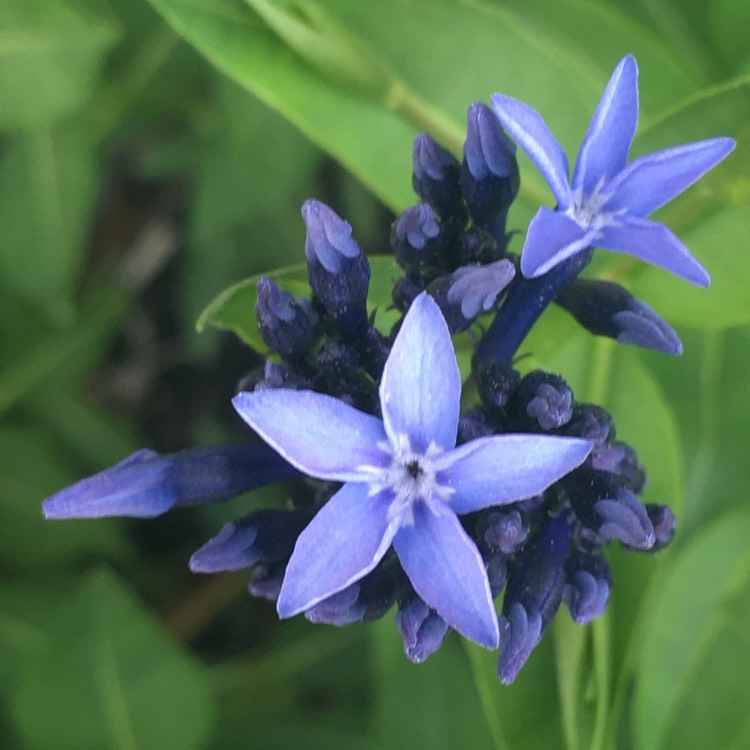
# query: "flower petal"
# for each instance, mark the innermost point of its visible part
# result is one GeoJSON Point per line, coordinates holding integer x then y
{"type": "Point", "coordinates": [504, 468]}
{"type": "Point", "coordinates": [447, 571]}
{"type": "Point", "coordinates": [344, 542]}
{"type": "Point", "coordinates": [551, 239]}
{"type": "Point", "coordinates": [319, 435]}
{"type": "Point", "coordinates": [531, 132]}
{"type": "Point", "coordinates": [657, 245]}
{"type": "Point", "coordinates": [421, 385]}
{"type": "Point", "coordinates": [653, 180]}
{"type": "Point", "coordinates": [604, 150]}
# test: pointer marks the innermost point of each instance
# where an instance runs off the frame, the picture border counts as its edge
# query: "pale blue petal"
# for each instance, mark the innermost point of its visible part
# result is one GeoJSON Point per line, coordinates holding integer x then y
{"type": "Point", "coordinates": [447, 571]}
{"type": "Point", "coordinates": [532, 134]}
{"type": "Point", "coordinates": [651, 181]}
{"type": "Point", "coordinates": [654, 243]}
{"type": "Point", "coordinates": [421, 385]}
{"type": "Point", "coordinates": [319, 435]}
{"type": "Point", "coordinates": [504, 468]}
{"type": "Point", "coordinates": [604, 150]}
{"type": "Point", "coordinates": [551, 239]}
{"type": "Point", "coordinates": [344, 542]}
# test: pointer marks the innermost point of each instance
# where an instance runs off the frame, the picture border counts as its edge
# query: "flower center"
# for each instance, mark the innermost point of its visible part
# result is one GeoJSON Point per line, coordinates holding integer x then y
{"type": "Point", "coordinates": [588, 210]}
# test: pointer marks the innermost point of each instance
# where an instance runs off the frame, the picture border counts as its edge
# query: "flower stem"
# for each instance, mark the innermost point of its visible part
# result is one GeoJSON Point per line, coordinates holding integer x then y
{"type": "Point", "coordinates": [526, 300]}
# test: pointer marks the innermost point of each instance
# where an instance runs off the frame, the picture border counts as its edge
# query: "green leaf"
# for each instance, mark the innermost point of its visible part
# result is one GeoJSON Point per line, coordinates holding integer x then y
{"type": "Point", "coordinates": [112, 678]}
{"type": "Point", "coordinates": [234, 308]}
{"type": "Point", "coordinates": [50, 58]}
{"type": "Point", "coordinates": [47, 185]}
{"type": "Point", "coordinates": [720, 243]}
{"type": "Point", "coordinates": [371, 130]}
{"type": "Point", "coordinates": [690, 635]}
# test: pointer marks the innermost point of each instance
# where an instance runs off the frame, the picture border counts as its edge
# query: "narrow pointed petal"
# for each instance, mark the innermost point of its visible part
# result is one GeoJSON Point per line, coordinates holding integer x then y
{"type": "Point", "coordinates": [653, 180]}
{"type": "Point", "coordinates": [447, 571]}
{"type": "Point", "coordinates": [605, 147]}
{"type": "Point", "coordinates": [657, 245]}
{"type": "Point", "coordinates": [504, 468]}
{"type": "Point", "coordinates": [551, 239]}
{"type": "Point", "coordinates": [344, 542]}
{"type": "Point", "coordinates": [319, 435]}
{"type": "Point", "coordinates": [531, 133]}
{"type": "Point", "coordinates": [421, 385]}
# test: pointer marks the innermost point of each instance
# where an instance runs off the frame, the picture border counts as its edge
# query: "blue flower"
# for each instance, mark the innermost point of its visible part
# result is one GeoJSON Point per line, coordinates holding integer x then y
{"type": "Point", "coordinates": [404, 479]}
{"type": "Point", "coordinates": [606, 203]}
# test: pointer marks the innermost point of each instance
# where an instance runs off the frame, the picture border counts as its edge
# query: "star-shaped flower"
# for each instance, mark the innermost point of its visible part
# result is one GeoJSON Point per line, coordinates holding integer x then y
{"type": "Point", "coordinates": [606, 203]}
{"type": "Point", "coordinates": [404, 479]}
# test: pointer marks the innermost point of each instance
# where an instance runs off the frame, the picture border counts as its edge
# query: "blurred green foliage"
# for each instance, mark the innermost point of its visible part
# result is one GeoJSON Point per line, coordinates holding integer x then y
{"type": "Point", "coordinates": [153, 155]}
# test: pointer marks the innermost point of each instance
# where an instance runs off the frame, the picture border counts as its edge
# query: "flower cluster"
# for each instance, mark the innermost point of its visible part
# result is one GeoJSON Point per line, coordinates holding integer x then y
{"type": "Point", "coordinates": [413, 503]}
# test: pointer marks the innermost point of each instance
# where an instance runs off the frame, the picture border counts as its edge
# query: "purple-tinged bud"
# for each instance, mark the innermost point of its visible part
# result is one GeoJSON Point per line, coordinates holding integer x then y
{"type": "Point", "coordinates": [366, 600]}
{"type": "Point", "coordinates": [591, 422]}
{"type": "Point", "coordinates": [543, 401]}
{"type": "Point", "coordinates": [606, 309]}
{"type": "Point", "coordinates": [472, 425]}
{"type": "Point", "coordinates": [338, 270]}
{"type": "Point", "coordinates": [148, 484]}
{"type": "Point", "coordinates": [497, 573]}
{"type": "Point", "coordinates": [497, 383]}
{"type": "Point", "coordinates": [280, 376]}
{"type": "Point", "coordinates": [504, 530]}
{"type": "Point", "coordinates": [533, 594]}
{"type": "Point", "coordinates": [287, 325]}
{"type": "Point", "coordinates": [263, 536]}
{"type": "Point", "coordinates": [422, 629]}
{"type": "Point", "coordinates": [489, 173]}
{"type": "Point", "coordinates": [589, 582]}
{"type": "Point", "coordinates": [267, 579]}
{"type": "Point", "coordinates": [625, 518]}
{"type": "Point", "coordinates": [470, 291]}
{"type": "Point", "coordinates": [435, 178]}
{"type": "Point", "coordinates": [478, 246]}
{"type": "Point", "coordinates": [520, 634]}
{"type": "Point", "coordinates": [620, 459]}
{"type": "Point", "coordinates": [405, 291]}
{"type": "Point", "coordinates": [664, 522]}
{"type": "Point", "coordinates": [416, 239]}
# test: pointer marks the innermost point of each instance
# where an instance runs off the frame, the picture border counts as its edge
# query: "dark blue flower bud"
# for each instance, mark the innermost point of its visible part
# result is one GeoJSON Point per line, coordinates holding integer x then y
{"type": "Point", "coordinates": [366, 600]}
{"type": "Point", "coordinates": [338, 270]}
{"type": "Point", "coordinates": [543, 401]}
{"type": "Point", "coordinates": [287, 325]}
{"type": "Point", "coordinates": [263, 536]}
{"type": "Point", "coordinates": [435, 178]}
{"type": "Point", "coordinates": [489, 173]}
{"type": "Point", "coordinates": [416, 239]}
{"type": "Point", "coordinates": [533, 594]}
{"type": "Point", "coordinates": [589, 582]}
{"type": "Point", "coordinates": [664, 522]}
{"type": "Point", "coordinates": [625, 518]}
{"type": "Point", "coordinates": [496, 382]}
{"type": "Point", "coordinates": [472, 425]}
{"type": "Point", "coordinates": [620, 459]}
{"type": "Point", "coordinates": [504, 530]}
{"type": "Point", "coordinates": [405, 291]}
{"type": "Point", "coordinates": [422, 629]}
{"type": "Point", "coordinates": [497, 573]}
{"type": "Point", "coordinates": [267, 579]}
{"type": "Point", "coordinates": [280, 376]}
{"type": "Point", "coordinates": [148, 484]}
{"type": "Point", "coordinates": [478, 246]}
{"type": "Point", "coordinates": [591, 422]}
{"type": "Point", "coordinates": [606, 309]}
{"type": "Point", "coordinates": [470, 291]}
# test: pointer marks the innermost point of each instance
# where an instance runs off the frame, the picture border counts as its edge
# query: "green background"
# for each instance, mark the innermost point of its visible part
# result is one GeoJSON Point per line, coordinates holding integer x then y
{"type": "Point", "coordinates": [152, 155]}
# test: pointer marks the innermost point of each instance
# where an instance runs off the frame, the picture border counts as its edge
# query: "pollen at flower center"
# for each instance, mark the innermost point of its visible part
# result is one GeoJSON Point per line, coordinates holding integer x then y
{"type": "Point", "coordinates": [588, 210]}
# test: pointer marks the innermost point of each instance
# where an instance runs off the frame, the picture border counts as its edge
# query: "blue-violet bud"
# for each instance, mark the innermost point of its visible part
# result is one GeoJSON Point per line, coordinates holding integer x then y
{"type": "Point", "coordinates": [619, 458]}
{"type": "Point", "coordinates": [589, 582]}
{"type": "Point", "coordinates": [543, 400]}
{"type": "Point", "coordinates": [435, 178]}
{"type": "Point", "coordinates": [338, 270]}
{"type": "Point", "coordinates": [591, 422]}
{"type": "Point", "coordinates": [606, 309]}
{"type": "Point", "coordinates": [422, 629]}
{"type": "Point", "coordinates": [416, 238]}
{"type": "Point", "coordinates": [664, 522]}
{"type": "Point", "coordinates": [503, 530]}
{"type": "Point", "coordinates": [287, 325]}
